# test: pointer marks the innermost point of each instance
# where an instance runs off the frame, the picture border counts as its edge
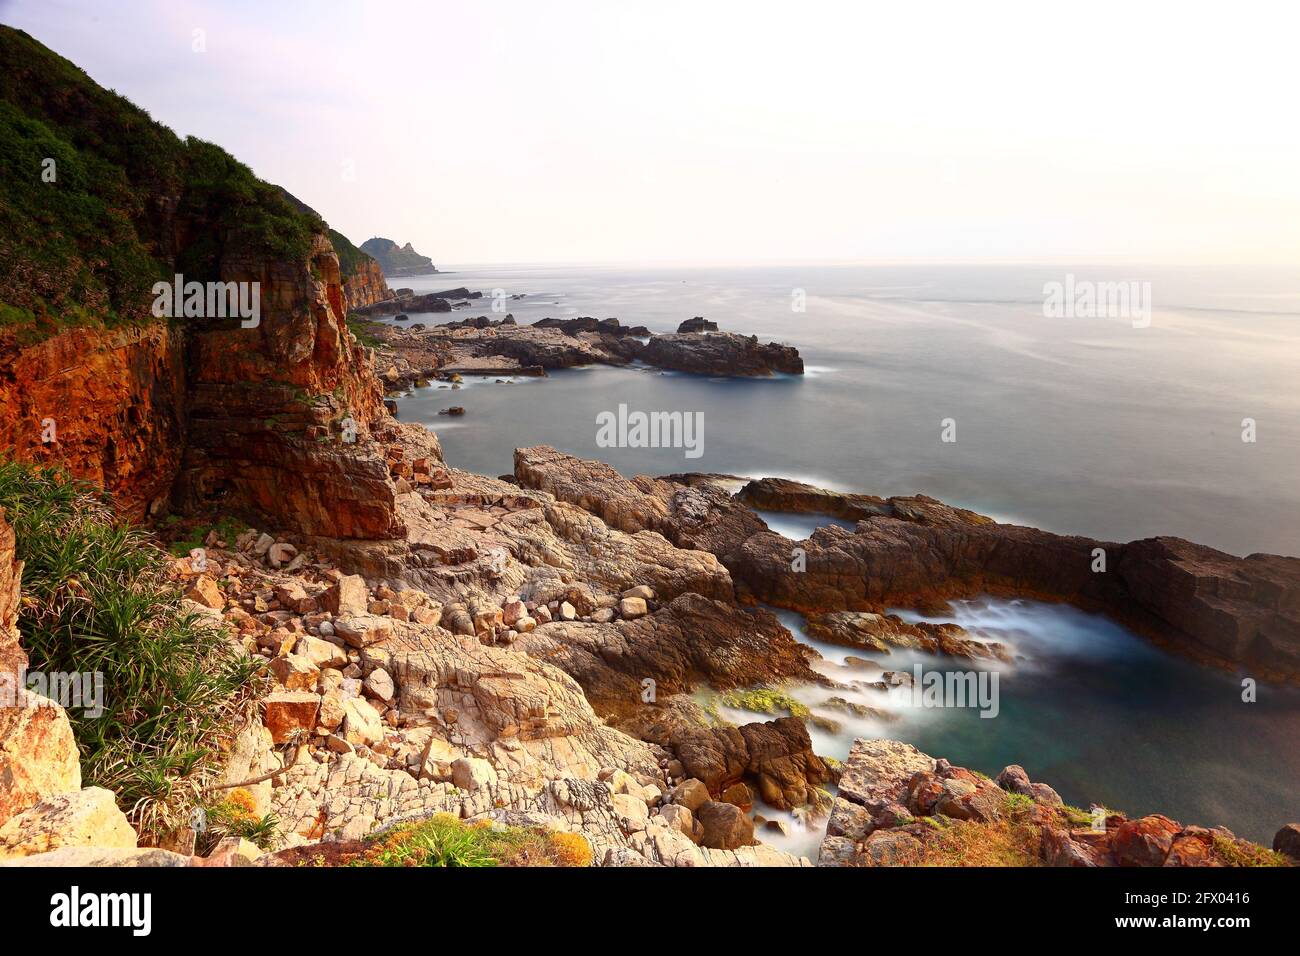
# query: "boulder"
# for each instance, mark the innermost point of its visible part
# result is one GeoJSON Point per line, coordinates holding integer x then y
{"type": "Point", "coordinates": [363, 630]}
{"type": "Point", "coordinates": [361, 723]}
{"type": "Point", "coordinates": [379, 684]}
{"type": "Point", "coordinates": [1287, 841]}
{"type": "Point", "coordinates": [691, 794]}
{"type": "Point", "coordinates": [288, 712]}
{"type": "Point", "coordinates": [680, 818]}
{"type": "Point", "coordinates": [724, 826]}
{"type": "Point", "coordinates": [203, 590]}
{"type": "Point", "coordinates": [320, 652]}
{"type": "Point", "coordinates": [38, 753]}
{"type": "Point", "coordinates": [632, 809]}
{"type": "Point", "coordinates": [295, 672]}
{"type": "Point", "coordinates": [632, 607]}
{"type": "Point", "coordinates": [85, 818]}
{"type": "Point", "coordinates": [892, 848]}
{"type": "Point", "coordinates": [473, 773]}
{"type": "Point", "coordinates": [1145, 841]}
{"type": "Point", "coordinates": [331, 712]}
{"type": "Point", "coordinates": [1013, 779]}
{"type": "Point", "coordinates": [346, 597]}
{"type": "Point", "coordinates": [280, 554]}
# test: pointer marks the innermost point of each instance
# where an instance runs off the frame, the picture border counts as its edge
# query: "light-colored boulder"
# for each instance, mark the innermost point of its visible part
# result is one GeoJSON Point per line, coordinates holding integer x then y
{"type": "Point", "coordinates": [379, 684]}
{"type": "Point", "coordinates": [682, 820]}
{"type": "Point", "coordinates": [331, 711]}
{"type": "Point", "coordinates": [691, 794]}
{"type": "Point", "coordinates": [364, 629]}
{"type": "Point", "coordinates": [87, 817]}
{"type": "Point", "coordinates": [38, 754]}
{"type": "Point", "coordinates": [632, 607]}
{"type": "Point", "coordinates": [347, 596]}
{"type": "Point", "coordinates": [512, 611]}
{"type": "Point", "coordinates": [361, 723]}
{"type": "Point", "coordinates": [320, 652]}
{"type": "Point", "coordinates": [472, 773]}
{"type": "Point", "coordinates": [281, 553]}
{"type": "Point", "coordinates": [642, 591]}
{"type": "Point", "coordinates": [295, 672]}
{"type": "Point", "coordinates": [203, 590]}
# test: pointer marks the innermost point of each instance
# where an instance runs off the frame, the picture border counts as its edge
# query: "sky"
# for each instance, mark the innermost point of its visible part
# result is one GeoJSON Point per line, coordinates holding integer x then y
{"type": "Point", "coordinates": [712, 131]}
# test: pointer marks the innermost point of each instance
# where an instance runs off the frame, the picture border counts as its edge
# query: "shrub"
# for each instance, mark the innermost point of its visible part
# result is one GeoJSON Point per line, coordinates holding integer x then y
{"type": "Point", "coordinates": [1244, 853]}
{"type": "Point", "coordinates": [96, 598]}
{"type": "Point", "coordinates": [237, 816]}
{"type": "Point", "coordinates": [445, 841]}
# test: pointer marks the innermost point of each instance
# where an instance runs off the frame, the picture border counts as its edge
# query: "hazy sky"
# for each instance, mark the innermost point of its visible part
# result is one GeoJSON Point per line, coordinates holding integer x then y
{"type": "Point", "coordinates": [716, 131]}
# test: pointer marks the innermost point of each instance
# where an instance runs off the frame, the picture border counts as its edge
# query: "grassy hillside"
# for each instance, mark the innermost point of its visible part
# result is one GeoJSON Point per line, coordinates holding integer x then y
{"type": "Point", "coordinates": [130, 202]}
{"type": "Point", "coordinates": [350, 257]}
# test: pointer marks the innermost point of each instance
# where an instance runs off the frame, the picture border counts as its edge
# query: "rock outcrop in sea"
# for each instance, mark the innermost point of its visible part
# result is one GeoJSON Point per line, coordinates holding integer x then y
{"type": "Point", "coordinates": [395, 260]}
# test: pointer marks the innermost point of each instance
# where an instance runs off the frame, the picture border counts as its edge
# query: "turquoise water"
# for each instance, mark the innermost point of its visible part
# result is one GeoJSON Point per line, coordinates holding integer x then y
{"type": "Point", "coordinates": [1100, 714]}
{"type": "Point", "coordinates": [1086, 426]}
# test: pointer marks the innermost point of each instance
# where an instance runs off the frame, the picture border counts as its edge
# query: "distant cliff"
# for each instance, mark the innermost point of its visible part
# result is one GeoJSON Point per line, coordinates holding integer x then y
{"type": "Point", "coordinates": [398, 260]}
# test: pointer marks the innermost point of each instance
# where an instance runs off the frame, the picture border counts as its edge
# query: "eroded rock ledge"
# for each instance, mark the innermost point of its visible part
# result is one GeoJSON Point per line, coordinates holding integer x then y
{"type": "Point", "coordinates": [918, 552]}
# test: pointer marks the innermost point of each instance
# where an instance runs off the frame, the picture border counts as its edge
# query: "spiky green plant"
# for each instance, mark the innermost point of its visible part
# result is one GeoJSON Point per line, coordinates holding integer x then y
{"type": "Point", "coordinates": [97, 598]}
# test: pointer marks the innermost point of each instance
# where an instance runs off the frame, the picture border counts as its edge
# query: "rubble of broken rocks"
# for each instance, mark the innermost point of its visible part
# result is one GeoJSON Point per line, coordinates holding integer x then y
{"type": "Point", "coordinates": [389, 704]}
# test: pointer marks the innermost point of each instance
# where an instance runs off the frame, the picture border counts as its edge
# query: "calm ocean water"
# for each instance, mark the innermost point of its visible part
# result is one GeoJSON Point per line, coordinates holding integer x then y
{"type": "Point", "coordinates": [1075, 425]}
{"type": "Point", "coordinates": [1084, 425]}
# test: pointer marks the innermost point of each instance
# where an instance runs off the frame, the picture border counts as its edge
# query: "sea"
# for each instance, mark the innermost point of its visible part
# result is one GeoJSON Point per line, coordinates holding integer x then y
{"type": "Point", "coordinates": [1115, 401]}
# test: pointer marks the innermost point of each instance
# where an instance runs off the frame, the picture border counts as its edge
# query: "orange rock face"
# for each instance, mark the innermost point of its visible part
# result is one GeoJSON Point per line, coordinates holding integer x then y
{"type": "Point", "coordinates": [272, 422]}
{"type": "Point", "coordinates": [366, 286]}
{"type": "Point", "coordinates": [281, 414]}
{"type": "Point", "coordinates": [108, 404]}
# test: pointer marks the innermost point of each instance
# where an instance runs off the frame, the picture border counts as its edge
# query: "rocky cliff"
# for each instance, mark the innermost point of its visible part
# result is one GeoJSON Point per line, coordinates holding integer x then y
{"type": "Point", "coordinates": [272, 420]}
{"type": "Point", "coordinates": [110, 404]}
{"type": "Point", "coordinates": [363, 279]}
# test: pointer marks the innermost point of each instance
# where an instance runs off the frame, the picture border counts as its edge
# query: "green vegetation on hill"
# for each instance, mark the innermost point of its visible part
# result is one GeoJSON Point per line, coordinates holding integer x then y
{"type": "Point", "coordinates": [350, 257]}
{"type": "Point", "coordinates": [97, 598]}
{"type": "Point", "coordinates": [87, 246]}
